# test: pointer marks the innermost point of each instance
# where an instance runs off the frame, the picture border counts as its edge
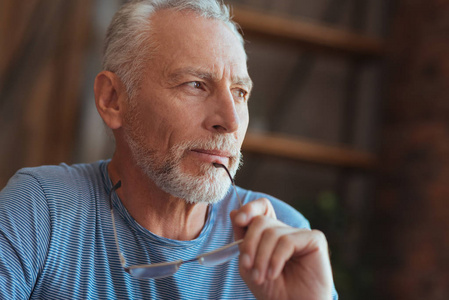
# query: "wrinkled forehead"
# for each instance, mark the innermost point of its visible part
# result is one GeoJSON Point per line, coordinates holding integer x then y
{"type": "Point", "coordinates": [184, 39]}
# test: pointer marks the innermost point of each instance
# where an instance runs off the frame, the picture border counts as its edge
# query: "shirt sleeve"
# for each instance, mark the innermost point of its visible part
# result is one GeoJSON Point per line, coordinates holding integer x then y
{"type": "Point", "coordinates": [24, 235]}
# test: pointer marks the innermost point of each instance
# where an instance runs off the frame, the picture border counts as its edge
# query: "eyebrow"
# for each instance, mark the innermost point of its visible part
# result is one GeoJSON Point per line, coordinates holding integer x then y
{"type": "Point", "coordinates": [206, 75]}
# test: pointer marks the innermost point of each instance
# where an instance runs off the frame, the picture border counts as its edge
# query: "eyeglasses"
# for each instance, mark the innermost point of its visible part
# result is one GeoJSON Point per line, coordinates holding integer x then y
{"type": "Point", "coordinates": [160, 270]}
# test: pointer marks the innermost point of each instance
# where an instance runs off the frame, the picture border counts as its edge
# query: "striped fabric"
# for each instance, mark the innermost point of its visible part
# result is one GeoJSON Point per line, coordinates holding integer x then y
{"type": "Point", "coordinates": [56, 241]}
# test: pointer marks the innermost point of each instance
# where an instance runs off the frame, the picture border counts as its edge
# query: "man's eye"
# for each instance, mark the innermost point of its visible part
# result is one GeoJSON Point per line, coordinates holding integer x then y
{"type": "Point", "coordinates": [195, 84]}
{"type": "Point", "coordinates": [242, 94]}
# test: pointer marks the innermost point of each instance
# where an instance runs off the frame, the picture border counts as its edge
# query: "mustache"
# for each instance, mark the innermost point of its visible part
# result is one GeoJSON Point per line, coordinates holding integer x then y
{"type": "Point", "coordinates": [217, 142]}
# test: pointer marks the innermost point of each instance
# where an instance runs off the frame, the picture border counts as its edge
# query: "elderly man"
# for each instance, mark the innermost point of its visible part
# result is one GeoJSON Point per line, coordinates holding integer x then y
{"type": "Point", "coordinates": [160, 220]}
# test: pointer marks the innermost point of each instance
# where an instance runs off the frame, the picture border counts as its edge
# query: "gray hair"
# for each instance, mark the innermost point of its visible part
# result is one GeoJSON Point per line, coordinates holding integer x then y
{"type": "Point", "coordinates": [128, 45]}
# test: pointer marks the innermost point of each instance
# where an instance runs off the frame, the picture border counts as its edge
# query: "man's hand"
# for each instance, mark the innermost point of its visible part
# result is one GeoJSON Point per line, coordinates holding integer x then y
{"type": "Point", "coordinates": [278, 261]}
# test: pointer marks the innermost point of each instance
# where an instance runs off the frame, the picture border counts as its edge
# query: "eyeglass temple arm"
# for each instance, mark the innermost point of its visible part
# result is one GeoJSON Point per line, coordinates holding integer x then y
{"type": "Point", "coordinates": [122, 258]}
{"type": "Point", "coordinates": [119, 184]}
{"type": "Point", "coordinates": [217, 165]}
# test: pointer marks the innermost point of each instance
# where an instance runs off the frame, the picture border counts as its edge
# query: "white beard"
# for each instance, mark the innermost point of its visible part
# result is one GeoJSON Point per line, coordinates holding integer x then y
{"type": "Point", "coordinates": [209, 185]}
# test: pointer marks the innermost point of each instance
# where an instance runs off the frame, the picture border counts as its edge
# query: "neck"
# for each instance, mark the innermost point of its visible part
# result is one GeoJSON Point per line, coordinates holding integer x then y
{"type": "Point", "coordinates": [154, 209]}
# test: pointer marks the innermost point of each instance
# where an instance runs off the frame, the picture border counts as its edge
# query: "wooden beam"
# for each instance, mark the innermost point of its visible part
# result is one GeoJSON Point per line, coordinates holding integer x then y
{"type": "Point", "coordinates": [284, 146]}
{"type": "Point", "coordinates": [307, 34]}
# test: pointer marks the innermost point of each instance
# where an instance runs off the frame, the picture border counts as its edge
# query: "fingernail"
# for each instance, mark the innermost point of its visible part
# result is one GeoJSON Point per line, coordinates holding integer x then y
{"type": "Point", "coordinates": [246, 261]}
{"type": "Point", "coordinates": [240, 218]}
{"type": "Point", "coordinates": [255, 275]}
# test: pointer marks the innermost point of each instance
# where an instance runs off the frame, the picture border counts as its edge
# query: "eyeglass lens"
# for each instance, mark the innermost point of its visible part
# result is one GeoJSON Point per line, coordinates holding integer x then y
{"type": "Point", "coordinates": [220, 256]}
{"type": "Point", "coordinates": [154, 271]}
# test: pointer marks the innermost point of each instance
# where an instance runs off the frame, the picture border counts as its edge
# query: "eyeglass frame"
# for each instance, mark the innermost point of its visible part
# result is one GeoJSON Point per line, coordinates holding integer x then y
{"type": "Point", "coordinates": [133, 270]}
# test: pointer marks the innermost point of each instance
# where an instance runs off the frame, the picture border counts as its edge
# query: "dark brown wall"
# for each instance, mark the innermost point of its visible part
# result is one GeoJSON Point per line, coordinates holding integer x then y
{"type": "Point", "coordinates": [410, 237]}
{"type": "Point", "coordinates": [42, 48]}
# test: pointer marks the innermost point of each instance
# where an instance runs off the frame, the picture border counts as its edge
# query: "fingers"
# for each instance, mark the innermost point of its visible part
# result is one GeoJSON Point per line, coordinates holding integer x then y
{"type": "Point", "coordinates": [281, 245]}
{"type": "Point", "coordinates": [243, 216]}
{"type": "Point", "coordinates": [260, 207]}
{"type": "Point", "coordinates": [279, 258]}
{"type": "Point", "coordinates": [253, 237]}
{"type": "Point", "coordinates": [268, 244]}
{"type": "Point", "coordinates": [301, 244]}
{"type": "Point", "coordinates": [282, 252]}
{"type": "Point", "coordinates": [266, 259]}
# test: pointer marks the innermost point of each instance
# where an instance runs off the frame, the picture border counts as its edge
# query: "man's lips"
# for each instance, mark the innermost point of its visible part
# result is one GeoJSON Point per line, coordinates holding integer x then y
{"type": "Point", "coordinates": [212, 156]}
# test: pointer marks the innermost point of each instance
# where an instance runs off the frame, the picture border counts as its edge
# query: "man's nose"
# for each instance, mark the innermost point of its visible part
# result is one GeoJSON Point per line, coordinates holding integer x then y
{"type": "Point", "coordinates": [223, 115]}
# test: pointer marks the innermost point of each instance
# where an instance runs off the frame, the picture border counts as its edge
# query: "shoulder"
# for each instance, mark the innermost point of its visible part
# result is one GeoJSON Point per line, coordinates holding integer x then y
{"type": "Point", "coordinates": [284, 212]}
{"type": "Point", "coordinates": [47, 184]}
{"type": "Point", "coordinates": [63, 176]}
{"type": "Point", "coordinates": [31, 203]}
{"type": "Point", "coordinates": [63, 172]}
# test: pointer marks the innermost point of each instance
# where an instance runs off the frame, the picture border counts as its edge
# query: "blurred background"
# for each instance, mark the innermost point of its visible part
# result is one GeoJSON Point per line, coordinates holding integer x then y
{"type": "Point", "coordinates": [349, 121]}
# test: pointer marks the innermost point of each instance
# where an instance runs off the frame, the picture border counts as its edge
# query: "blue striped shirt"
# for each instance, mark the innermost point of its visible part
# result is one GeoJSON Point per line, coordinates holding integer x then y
{"type": "Point", "coordinates": [57, 242]}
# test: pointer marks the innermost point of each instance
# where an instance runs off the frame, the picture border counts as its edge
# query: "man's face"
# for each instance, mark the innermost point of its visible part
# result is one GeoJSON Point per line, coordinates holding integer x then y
{"type": "Point", "coordinates": [191, 109]}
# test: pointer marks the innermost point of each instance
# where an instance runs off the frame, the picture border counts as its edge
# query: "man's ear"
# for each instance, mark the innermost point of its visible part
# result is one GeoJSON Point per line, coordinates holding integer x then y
{"type": "Point", "coordinates": [109, 98]}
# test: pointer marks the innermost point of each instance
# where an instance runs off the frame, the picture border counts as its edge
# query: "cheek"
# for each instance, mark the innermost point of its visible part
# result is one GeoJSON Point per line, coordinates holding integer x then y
{"type": "Point", "coordinates": [245, 117]}
{"type": "Point", "coordinates": [147, 126]}
{"type": "Point", "coordinates": [243, 129]}
{"type": "Point", "coordinates": [172, 126]}
{"type": "Point", "coordinates": [244, 120]}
